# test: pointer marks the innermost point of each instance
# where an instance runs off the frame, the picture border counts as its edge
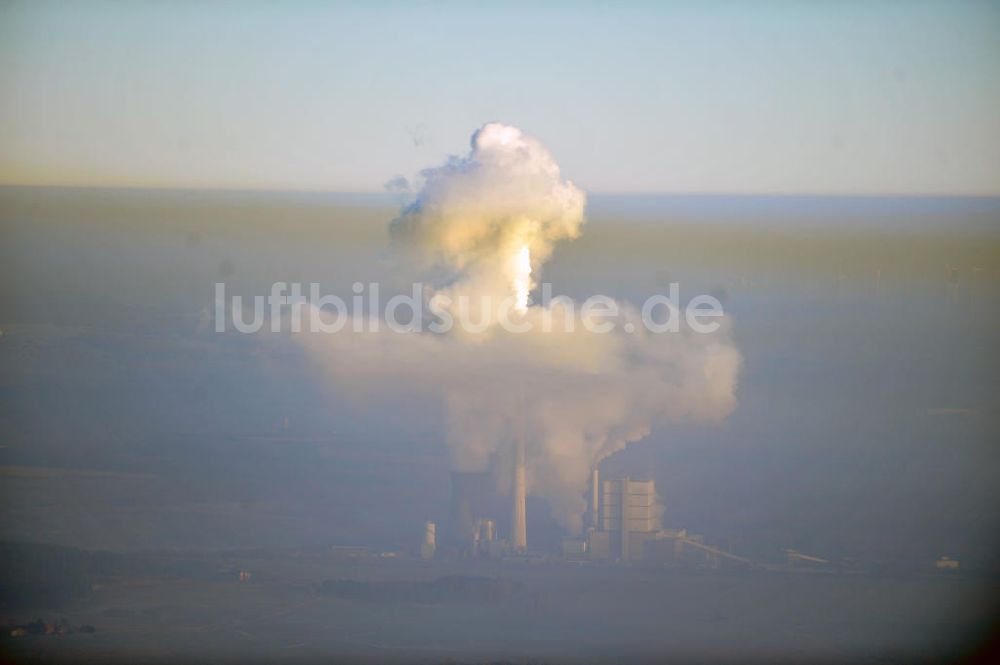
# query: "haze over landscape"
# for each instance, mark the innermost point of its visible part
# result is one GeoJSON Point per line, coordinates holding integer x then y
{"type": "Point", "coordinates": [822, 469]}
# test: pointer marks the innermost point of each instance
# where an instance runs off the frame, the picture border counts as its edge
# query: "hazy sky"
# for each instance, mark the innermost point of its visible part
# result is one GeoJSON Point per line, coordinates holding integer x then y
{"type": "Point", "coordinates": [741, 97]}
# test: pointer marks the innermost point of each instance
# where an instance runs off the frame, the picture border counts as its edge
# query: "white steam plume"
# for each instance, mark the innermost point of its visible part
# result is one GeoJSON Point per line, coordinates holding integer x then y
{"type": "Point", "coordinates": [483, 221]}
{"type": "Point", "coordinates": [485, 224]}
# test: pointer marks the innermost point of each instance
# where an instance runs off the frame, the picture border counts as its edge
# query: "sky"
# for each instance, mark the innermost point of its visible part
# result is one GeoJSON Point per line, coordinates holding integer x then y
{"type": "Point", "coordinates": [745, 98]}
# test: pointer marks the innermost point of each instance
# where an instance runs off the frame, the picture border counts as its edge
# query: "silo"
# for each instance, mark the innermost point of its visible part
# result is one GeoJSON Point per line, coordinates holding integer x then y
{"type": "Point", "coordinates": [429, 546]}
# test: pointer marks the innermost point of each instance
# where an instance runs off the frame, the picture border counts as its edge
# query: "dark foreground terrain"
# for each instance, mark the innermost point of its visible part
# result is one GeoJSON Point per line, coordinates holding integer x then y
{"type": "Point", "coordinates": [337, 606]}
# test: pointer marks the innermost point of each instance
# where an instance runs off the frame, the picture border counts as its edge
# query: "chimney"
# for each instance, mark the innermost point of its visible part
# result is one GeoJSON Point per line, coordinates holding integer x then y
{"type": "Point", "coordinates": [595, 483]}
{"type": "Point", "coordinates": [519, 529]}
{"type": "Point", "coordinates": [625, 516]}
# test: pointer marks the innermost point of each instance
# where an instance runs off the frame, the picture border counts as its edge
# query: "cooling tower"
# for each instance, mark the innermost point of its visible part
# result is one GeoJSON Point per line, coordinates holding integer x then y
{"type": "Point", "coordinates": [519, 527]}
{"type": "Point", "coordinates": [470, 499]}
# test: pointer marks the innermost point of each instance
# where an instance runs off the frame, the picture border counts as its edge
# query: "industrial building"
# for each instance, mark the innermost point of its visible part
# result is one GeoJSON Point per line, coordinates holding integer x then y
{"type": "Point", "coordinates": [625, 515]}
{"type": "Point", "coordinates": [624, 519]}
{"type": "Point", "coordinates": [625, 527]}
{"type": "Point", "coordinates": [471, 499]}
{"type": "Point", "coordinates": [474, 503]}
{"type": "Point", "coordinates": [629, 513]}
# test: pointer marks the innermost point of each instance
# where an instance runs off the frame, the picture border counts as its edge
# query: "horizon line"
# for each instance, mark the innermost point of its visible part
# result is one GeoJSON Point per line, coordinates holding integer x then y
{"type": "Point", "coordinates": [597, 193]}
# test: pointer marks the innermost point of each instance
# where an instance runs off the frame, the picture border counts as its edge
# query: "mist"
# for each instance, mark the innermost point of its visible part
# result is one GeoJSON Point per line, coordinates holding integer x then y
{"type": "Point", "coordinates": [575, 395]}
{"type": "Point", "coordinates": [861, 425]}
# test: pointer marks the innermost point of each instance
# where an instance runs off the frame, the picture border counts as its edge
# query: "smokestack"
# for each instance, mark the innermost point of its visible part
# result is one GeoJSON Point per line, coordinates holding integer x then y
{"type": "Point", "coordinates": [519, 528]}
{"type": "Point", "coordinates": [595, 483]}
{"type": "Point", "coordinates": [625, 514]}
{"type": "Point", "coordinates": [481, 227]}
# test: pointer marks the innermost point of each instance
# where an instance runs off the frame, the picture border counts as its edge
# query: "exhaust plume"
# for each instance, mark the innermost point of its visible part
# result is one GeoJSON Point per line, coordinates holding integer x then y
{"type": "Point", "coordinates": [484, 225]}
{"type": "Point", "coordinates": [481, 222]}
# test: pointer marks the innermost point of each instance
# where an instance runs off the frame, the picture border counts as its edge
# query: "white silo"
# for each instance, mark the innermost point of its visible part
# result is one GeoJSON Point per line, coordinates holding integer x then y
{"type": "Point", "coordinates": [429, 546]}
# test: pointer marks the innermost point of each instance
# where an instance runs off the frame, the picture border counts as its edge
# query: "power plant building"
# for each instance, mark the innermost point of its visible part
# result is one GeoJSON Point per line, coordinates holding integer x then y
{"type": "Point", "coordinates": [471, 500]}
{"type": "Point", "coordinates": [629, 513]}
{"type": "Point", "coordinates": [625, 515]}
{"type": "Point", "coordinates": [474, 503]}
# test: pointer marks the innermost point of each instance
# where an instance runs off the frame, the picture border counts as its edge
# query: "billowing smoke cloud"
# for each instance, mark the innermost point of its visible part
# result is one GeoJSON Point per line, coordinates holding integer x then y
{"type": "Point", "coordinates": [488, 219]}
{"type": "Point", "coordinates": [484, 225]}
